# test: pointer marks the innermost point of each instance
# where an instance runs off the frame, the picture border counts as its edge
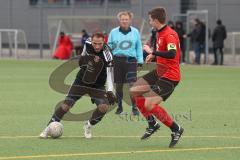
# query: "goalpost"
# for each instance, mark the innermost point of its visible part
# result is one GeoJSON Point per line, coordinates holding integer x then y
{"type": "Point", "coordinates": [73, 25]}
{"type": "Point", "coordinates": [13, 36]}
{"type": "Point", "coordinates": [232, 45]}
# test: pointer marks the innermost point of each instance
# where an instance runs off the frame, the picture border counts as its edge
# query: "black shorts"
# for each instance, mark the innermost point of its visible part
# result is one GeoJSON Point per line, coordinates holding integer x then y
{"type": "Point", "coordinates": [125, 69]}
{"type": "Point", "coordinates": [78, 89]}
{"type": "Point", "coordinates": [161, 86]}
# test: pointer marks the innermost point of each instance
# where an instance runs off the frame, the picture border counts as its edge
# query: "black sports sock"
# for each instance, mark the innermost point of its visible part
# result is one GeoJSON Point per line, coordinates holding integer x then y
{"type": "Point", "coordinates": [174, 127]}
{"type": "Point", "coordinates": [151, 121]}
{"type": "Point", "coordinates": [119, 94]}
{"type": "Point", "coordinates": [57, 116]}
{"type": "Point", "coordinates": [96, 117]}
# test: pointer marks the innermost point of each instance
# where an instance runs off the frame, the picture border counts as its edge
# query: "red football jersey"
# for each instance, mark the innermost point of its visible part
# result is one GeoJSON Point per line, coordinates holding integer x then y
{"type": "Point", "coordinates": [167, 39]}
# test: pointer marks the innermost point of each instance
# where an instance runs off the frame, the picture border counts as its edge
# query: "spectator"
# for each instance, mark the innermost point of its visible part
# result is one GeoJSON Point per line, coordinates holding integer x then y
{"type": "Point", "coordinates": [171, 24]}
{"type": "Point", "coordinates": [84, 37]}
{"type": "Point", "coordinates": [105, 37]}
{"type": "Point", "coordinates": [182, 35]}
{"type": "Point", "coordinates": [64, 49]}
{"type": "Point", "coordinates": [126, 46]}
{"type": "Point", "coordinates": [198, 38]}
{"type": "Point", "coordinates": [218, 37]}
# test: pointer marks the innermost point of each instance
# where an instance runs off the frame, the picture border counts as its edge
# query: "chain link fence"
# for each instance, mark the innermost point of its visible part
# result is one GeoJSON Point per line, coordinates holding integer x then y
{"type": "Point", "coordinates": [31, 16]}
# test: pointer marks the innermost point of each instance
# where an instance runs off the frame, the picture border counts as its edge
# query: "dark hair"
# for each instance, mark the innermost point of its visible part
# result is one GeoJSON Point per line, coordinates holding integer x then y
{"type": "Point", "coordinates": [98, 34]}
{"type": "Point", "coordinates": [171, 24]}
{"type": "Point", "coordinates": [219, 22]}
{"type": "Point", "coordinates": [62, 34]}
{"type": "Point", "coordinates": [159, 14]}
{"type": "Point", "coordinates": [179, 23]}
{"type": "Point", "coordinates": [84, 31]}
{"type": "Point", "coordinates": [197, 20]}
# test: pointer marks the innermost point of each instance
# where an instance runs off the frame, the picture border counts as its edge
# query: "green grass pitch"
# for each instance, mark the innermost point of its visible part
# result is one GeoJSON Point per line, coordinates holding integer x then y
{"type": "Point", "coordinates": [206, 103]}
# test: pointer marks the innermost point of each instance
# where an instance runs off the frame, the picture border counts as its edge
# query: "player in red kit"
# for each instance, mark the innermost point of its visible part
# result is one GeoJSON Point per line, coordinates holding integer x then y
{"type": "Point", "coordinates": [156, 86]}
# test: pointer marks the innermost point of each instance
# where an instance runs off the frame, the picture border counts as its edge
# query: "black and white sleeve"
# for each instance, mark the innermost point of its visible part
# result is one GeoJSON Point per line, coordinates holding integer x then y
{"type": "Point", "coordinates": [110, 78]}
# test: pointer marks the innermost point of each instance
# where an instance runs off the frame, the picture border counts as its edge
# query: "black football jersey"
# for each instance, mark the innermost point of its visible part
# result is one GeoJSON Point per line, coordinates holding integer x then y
{"type": "Point", "coordinates": [93, 70]}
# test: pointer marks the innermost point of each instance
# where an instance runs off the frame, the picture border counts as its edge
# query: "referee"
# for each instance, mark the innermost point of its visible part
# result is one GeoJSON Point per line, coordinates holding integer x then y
{"type": "Point", "coordinates": [126, 46]}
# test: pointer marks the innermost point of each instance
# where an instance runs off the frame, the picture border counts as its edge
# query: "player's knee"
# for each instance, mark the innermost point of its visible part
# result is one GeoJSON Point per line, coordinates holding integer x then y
{"type": "Point", "coordinates": [151, 102]}
{"type": "Point", "coordinates": [103, 108]}
{"type": "Point", "coordinates": [148, 104]}
{"type": "Point", "coordinates": [65, 107]}
{"type": "Point", "coordinates": [133, 91]}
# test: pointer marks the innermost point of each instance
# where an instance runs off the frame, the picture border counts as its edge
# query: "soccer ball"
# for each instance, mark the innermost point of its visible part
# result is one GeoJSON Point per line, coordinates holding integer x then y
{"type": "Point", "coordinates": [55, 129]}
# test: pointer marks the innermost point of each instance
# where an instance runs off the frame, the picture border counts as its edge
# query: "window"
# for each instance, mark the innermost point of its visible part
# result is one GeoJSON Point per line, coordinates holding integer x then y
{"type": "Point", "coordinates": [111, 3]}
{"type": "Point", "coordinates": [49, 2]}
{"type": "Point", "coordinates": [79, 3]}
{"type": "Point", "coordinates": [33, 2]}
{"type": "Point", "coordinates": [88, 2]}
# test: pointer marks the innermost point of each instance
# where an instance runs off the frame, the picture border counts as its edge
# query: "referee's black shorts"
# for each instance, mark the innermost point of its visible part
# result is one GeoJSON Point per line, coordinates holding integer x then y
{"type": "Point", "coordinates": [125, 69]}
{"type": "Point", "coordinates": [162, 86]}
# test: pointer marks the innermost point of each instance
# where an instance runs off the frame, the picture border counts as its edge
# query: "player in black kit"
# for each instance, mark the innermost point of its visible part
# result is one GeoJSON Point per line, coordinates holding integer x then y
{"type": "Point", "coordinates": [96, 68]}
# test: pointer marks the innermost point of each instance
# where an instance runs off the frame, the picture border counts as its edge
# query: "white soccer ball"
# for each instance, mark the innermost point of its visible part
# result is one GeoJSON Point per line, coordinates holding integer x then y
{"type": "Point", "coordinates": [55, 129]}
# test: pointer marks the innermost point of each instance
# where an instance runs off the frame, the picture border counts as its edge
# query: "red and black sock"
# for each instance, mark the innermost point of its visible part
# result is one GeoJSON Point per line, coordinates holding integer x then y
{"type": "Point", "coordinates": [164, 117]}
{"type": "Point", "coordinates": [174, 127]}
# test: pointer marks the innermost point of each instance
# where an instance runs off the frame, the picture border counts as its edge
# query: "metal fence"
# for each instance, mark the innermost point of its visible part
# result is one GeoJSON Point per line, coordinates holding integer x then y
{"type": "Point", "coordinates": [31, 15]}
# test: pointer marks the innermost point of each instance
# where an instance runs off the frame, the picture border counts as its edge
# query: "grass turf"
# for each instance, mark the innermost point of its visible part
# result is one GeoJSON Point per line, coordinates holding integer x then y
{"type": "Point", "coordinates": [206, 103]}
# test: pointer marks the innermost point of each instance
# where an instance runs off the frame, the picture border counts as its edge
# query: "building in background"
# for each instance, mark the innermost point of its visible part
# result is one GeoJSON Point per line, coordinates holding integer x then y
{"type": "Point", "coordinates": [31, 15]}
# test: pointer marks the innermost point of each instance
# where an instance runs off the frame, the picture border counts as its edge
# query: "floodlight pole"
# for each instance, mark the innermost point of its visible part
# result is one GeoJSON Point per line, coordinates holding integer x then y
{"type": "Point", "coordinates": [1, 43]}
{"type": "Point", "coordinates": [41, 28]}
{"type": "Point", "coordinates": [106, 7]}
{"type": "Point", "coordinates": [142, 8]}
{"type": "Point", "coordinates": [217, 9]}
{"type": "Point", "coordinates": [72, 10]}
{"type": "Point", "coordinates": [10, 15]}
{"type": "Point", "coordinates": [10, 4]}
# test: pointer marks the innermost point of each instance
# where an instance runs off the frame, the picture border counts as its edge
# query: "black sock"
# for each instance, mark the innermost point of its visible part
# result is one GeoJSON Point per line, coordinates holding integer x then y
{"type": "Point", "coordinates": [174, 127]}
{"type": "Point", "coordinates": [57, 116]}
{"type": "Point", "coordinates": [96, 117]}
{"type": "Point", "coordinates": [119, 94]}
{"type": "Point", "coordinates": [151, 121]}
{"type": "Point", "coordinates": [119, 100]}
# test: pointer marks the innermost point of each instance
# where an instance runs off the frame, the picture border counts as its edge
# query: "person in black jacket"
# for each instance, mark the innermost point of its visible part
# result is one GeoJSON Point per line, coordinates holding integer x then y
{"type": "Point", "coordinates": [182, 35]}
{"type": "Point", "coordinates": [198, 38]}
{"type": "Point", "coordinates": [218, 37]}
